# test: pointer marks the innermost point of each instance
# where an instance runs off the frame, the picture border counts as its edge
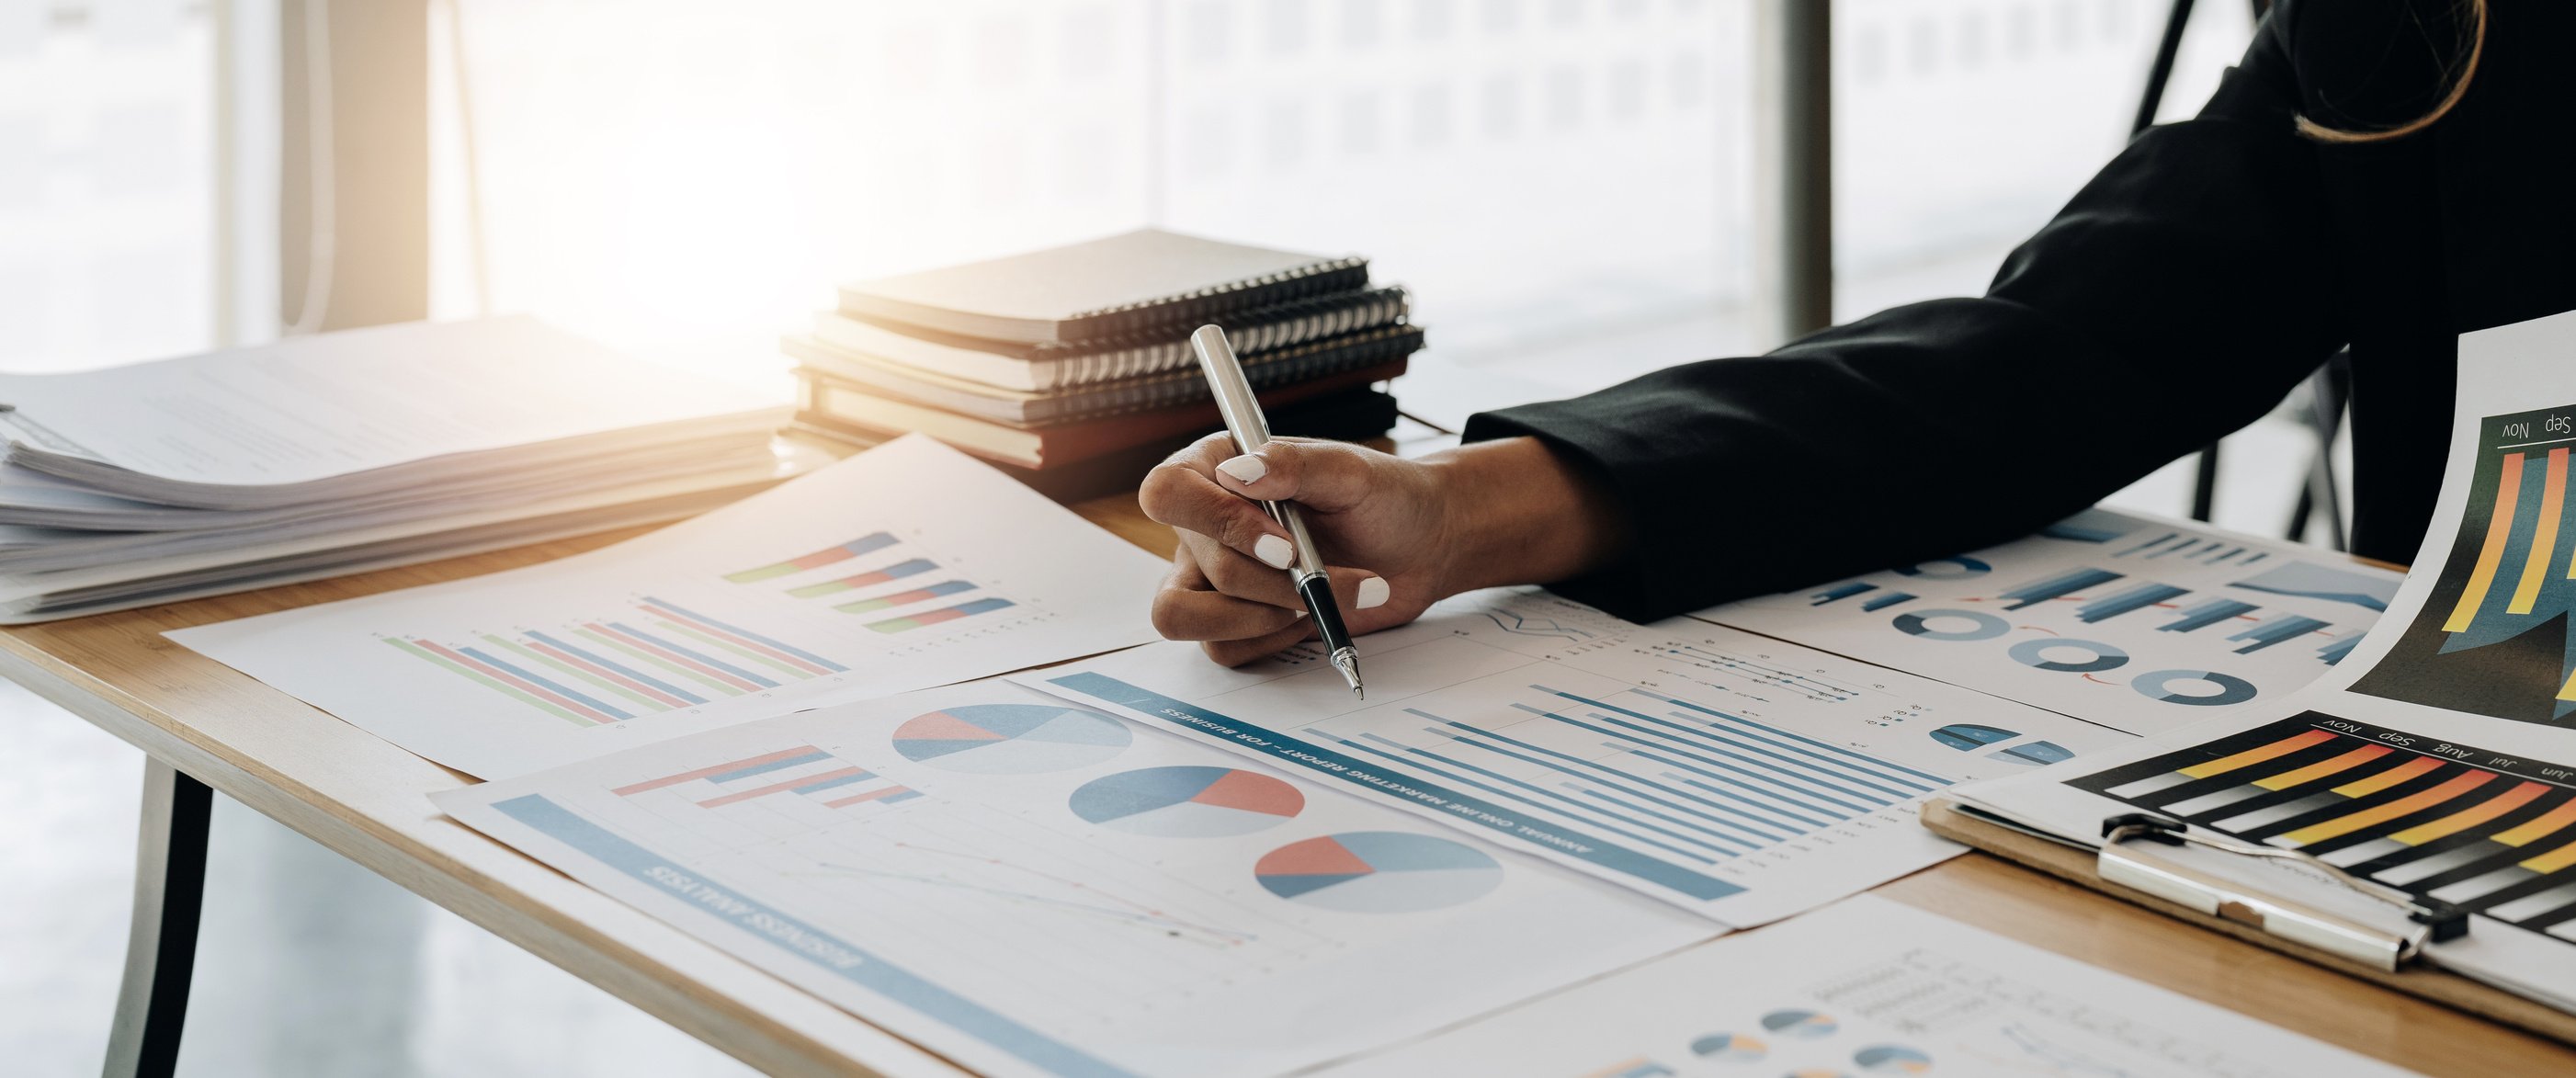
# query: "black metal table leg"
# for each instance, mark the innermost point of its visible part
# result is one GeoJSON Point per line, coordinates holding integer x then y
{"type": "Point", "coordinates": [161, 949]}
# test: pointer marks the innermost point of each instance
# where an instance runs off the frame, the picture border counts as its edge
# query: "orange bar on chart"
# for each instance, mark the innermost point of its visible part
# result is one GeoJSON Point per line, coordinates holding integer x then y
{"type": "Point", "coordinates": [2388, 778]}
{"type": "Point", "coordinates": [2258, 754]}
{"type": "Point", "coordinates": [2323, 768]}
{"type": "Point", "coordinates": [2544, 536]}
{"type": "Point", "coordinates": [2404, 806]}
{"type": "Point", "coordinates": [2499, 531]}
{"type": "Point", "coordinates": [2553, 860]}
{"type": "Point", "coordinates": [2539, 827]}
{"type": "Point", "coordinates": [2471, 816]}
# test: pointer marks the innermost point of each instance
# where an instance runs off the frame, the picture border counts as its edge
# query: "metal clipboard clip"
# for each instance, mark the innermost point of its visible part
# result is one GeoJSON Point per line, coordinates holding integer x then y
{"type": "Point", "coordinates": [2138, 867]}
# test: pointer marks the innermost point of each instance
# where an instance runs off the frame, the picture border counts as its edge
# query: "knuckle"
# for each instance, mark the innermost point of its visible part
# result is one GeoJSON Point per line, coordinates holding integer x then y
{"type": "Point", "coordinates": [1165, 490]}
{"type": "Point", "coordinates": [1236, 575]}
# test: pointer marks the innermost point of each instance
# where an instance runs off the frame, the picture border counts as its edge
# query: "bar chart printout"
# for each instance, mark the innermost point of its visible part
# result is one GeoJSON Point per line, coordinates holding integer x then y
{"type": "Point", "coordinates": [2493, 833]}
{"type": "Point", "coordinates": [1863, 988]}
{"type": "Point", "coordinates": [1137, 907]}
{"type": "Point", "coordinates": [1725, 773]}
{"type": "Point", "coordinates": [906, 566]}
{"type": "Point", "coordinates": [2492, 637]}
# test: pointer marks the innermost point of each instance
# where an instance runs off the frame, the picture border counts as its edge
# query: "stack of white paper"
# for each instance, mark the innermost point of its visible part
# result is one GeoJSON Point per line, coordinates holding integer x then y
{"type": "Point", "coordinates": [353, 450]}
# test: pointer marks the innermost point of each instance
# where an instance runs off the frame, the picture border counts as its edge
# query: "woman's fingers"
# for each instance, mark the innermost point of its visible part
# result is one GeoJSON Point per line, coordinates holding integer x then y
{"type": "Point", "coordinates": [1239, 652]}
{"type": "Point", "coordinates": [1329, 477]}
{"type": "Point", "coordinates": [1180, 493]}
{"type": "Point", "coordinates": [1189, 608]}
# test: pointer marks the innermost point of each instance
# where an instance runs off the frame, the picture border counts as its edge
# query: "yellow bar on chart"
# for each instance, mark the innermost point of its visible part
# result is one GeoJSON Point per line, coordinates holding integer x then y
{"type": "Point", "coordinates": [2499, 531]}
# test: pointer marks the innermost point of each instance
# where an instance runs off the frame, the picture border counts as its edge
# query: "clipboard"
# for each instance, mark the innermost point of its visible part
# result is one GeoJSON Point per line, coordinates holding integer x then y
{"type": "Point", "coordinates": [1944, 817]}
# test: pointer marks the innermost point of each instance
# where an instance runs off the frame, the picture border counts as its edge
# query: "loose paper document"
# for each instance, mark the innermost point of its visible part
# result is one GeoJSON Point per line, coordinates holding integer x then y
{"type": "Point", "coordinates": [1736, 776]}
{"type": "Point", "coordinates": [1869, 986]}
{"type": "Point", "coordinates": [1031, 887]}
{"type": "Point", "coordinates": [907, 566]}
{"type": "Point", "coordinates": [2140, 624]}
{"type": "Point", "coordinates": [292, 416]}
{"type": "Point", "coordinates": [2437, 758]}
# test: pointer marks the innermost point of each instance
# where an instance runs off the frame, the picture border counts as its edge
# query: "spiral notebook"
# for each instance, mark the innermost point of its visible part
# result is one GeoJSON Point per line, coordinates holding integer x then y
{"type": "Point", "coordinates": [1381, 351]}
{"type": "Point", "coordinates": [1128, 283]}
{"type": "Point", "coordinates": [1055, 365]}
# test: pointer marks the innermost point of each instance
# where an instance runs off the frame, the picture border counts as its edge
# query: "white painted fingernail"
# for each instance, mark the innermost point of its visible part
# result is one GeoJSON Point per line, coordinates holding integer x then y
{"type": "Point", "coordinates": [1274, 550]}
{"type": "Point", "coordinates": [1373, 592]}
{"type": "Point", "coordinates": [1246, 469]}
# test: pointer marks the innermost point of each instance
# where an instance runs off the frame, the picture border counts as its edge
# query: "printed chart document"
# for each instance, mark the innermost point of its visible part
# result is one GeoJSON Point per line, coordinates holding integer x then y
{"type": "Point", "coordinates": [1729, 774]}
{"type": "Point", "coordinates": [1031, 887]}
{"type": "Point", "coordinates": [907, 566]}
{"type": "Point", "coordinates": [1868, 987]}
{"type": "Point", "coordinates": [2436, 759]}
{"type": "Point", "coordinates": [2140, 624]}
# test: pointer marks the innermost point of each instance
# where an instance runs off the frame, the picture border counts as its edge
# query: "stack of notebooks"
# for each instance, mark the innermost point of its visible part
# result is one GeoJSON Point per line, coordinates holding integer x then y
{"type": "Point", "coordinates": [347, 451]}
{"type": "Point", "coordinates": [1070, 368]}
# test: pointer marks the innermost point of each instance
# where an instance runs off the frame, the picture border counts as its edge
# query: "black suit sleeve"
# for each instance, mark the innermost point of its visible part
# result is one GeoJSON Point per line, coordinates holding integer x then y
{"type": "Point", "coordinates": [2181, 294]}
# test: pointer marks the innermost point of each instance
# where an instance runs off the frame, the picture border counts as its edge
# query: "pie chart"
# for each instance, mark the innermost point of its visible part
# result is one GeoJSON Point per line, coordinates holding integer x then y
{"type": "Point", "coordinates": [1804, 1025]}
{"type": "Point", "coordinates": [1378, 872]}
{"type": "Point", "coordinates": [1893, 1059]}
{"type": "Point", "coordinates": [1010, 739]}
{"type": "Point", "coordinates": [1187, 802]}
{"type": "Point", "coordinates": [1733, 1047]}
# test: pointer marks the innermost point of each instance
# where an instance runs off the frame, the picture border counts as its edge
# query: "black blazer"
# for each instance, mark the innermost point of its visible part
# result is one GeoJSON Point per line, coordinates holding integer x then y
{"type": "Point", "coordinates": [2182, 293]}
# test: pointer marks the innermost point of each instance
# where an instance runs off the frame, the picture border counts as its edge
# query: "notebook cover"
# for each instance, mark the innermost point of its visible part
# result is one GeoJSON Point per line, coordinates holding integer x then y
{"type": "Point", "coordinates": [1117, 284]}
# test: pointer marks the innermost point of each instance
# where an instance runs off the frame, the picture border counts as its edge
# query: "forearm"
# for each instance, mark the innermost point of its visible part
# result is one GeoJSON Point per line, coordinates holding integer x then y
{"type": "Point", "coordinates": [1515, 512]}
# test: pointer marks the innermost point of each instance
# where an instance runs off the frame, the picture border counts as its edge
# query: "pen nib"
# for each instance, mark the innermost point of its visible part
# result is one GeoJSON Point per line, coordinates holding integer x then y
{"type": "Point", "coordinates": [1347, 660]}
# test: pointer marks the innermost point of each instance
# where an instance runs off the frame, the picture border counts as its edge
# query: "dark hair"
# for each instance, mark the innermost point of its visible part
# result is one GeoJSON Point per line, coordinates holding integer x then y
{"type": "Point", "coordinates": [2466, 68]}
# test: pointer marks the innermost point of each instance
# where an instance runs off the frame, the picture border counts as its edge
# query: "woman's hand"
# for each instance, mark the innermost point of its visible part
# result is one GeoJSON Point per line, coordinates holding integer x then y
{"type": "Point", "coordinates": [1396, 535]}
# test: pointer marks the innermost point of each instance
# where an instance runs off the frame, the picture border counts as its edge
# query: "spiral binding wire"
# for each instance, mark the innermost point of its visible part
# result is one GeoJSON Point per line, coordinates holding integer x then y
{"type": "Point", "coordinates": [1196, 307]}
{"type": "Point", "coordinates": [1259, 330]}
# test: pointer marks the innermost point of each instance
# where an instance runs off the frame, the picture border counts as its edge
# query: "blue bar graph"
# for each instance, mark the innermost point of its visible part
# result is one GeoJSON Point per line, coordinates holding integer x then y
{"type": "Point", "coordinates": [2334, 653]}
{"type": "Point", "coordinates": [2285, 627]}
{"type": "Point", "coordinates": [1840, 592]}
{"type": "Point", "coordinates": [2150, 544]}
{"type": "Point", "coordinates": [1884, 601]}
{"type": "Point", "coordinates": [2177, 548]}
{"type": "Point", "coordinates": [2137, 598]}
{"type": "Point", "coordinates": [2067, 583]}
{"type": "Point", "coordinates": [2208, 614]}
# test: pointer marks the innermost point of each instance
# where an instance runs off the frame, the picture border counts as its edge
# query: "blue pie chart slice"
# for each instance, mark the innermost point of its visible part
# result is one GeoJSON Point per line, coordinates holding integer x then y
{"type": "Point", "coordinates": [1378, 872]}
{"type": "Point", "coordinates": [1802, 1024]}
{"type": "Point", "coordinates": [1010, 739]}
{"type": "Point", "coordinates": [1187, 802]}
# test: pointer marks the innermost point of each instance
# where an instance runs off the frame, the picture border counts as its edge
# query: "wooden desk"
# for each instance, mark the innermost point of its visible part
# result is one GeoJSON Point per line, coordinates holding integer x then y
{"type": "Point", "coordinates": [366, 799]}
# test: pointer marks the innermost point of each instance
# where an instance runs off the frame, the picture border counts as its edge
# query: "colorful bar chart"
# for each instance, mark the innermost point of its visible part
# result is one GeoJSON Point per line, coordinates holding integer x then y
{"type": "Point", "coordinates": [905, 598]}
{"type": "Point", "coordinates": [802, 771]}
{"type": "Point", "coordinates": [611, 670]}
{"type": "Point", "coordinates": [944, 614]}
{"type": "Point", "coordinates": [2493, 637]}
{"type": "Point", "coordinates": [896, 571]}
{"type": "Point", "coordinates": [865, 544]}
{"type": "Point", "coordinates": [2494, 833]}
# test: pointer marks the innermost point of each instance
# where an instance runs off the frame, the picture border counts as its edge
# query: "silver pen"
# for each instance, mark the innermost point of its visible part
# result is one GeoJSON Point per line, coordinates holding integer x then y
{"type": "Point", "coordinates": [1251, 431]}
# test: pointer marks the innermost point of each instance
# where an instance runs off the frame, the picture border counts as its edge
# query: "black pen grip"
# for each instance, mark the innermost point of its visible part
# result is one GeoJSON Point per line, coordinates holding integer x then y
{"type": "Point", "coordinates": [1317, 590]}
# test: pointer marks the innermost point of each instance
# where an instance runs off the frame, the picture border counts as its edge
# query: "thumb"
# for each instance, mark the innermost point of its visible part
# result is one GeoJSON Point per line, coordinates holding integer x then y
{"type": "Point", "coordinates": [1326, 476]}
